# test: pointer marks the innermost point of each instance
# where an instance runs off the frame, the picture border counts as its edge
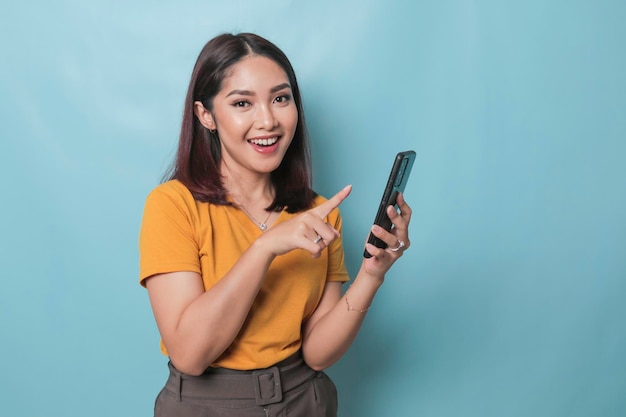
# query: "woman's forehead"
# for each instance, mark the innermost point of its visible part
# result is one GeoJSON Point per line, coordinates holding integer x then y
{"type": "Point", "coordinates": [252, 73]}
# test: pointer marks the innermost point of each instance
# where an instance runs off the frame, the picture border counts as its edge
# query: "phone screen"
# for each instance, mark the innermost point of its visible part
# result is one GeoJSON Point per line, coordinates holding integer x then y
{"type": "Point", "coordinates": [396, 183]}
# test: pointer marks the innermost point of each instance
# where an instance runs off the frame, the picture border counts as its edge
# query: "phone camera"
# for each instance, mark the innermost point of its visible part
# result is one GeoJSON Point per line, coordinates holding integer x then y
{"type": "Point", "coordinates": [401, 172]}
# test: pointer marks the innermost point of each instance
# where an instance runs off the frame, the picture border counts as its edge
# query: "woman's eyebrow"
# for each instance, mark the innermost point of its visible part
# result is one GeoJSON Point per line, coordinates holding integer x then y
{"type": "Point", "coordinates": [251, 93]}
{"type": "Point", "coordinates": [240, 92]}
{"type": "Point", "coordinates": [280, 87]}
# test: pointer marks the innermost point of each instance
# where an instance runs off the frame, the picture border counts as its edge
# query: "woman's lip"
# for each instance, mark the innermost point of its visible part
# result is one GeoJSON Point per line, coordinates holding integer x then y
{"type": "Point", "coordinates": [265, 149]}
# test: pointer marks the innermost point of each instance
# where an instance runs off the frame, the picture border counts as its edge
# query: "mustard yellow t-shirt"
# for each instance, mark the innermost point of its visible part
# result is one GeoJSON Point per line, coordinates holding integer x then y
{"type": "Point", "coordinates": [179, 233]}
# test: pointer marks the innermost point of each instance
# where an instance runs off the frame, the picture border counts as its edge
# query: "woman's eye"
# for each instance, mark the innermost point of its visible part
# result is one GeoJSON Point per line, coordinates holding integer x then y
{"type": "Point", "coordinates": [283, 98]}
{"type": "Point", "coordinates": [241, 103]}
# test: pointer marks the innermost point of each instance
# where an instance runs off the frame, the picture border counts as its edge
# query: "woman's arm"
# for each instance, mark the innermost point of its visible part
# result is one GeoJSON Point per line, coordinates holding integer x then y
{"type": "Point", "coordinates": [334, 325]}
{"type": "Point", "coordinates": [197, 326]}
{"type": "Point", "coordinates": [330, 331]}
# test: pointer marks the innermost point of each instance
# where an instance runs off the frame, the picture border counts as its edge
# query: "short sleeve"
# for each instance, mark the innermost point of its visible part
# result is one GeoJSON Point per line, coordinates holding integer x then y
{"type": "Point", "coordinates": [167, 238]}
{"type": "Point", "coordinates": [337, 271]}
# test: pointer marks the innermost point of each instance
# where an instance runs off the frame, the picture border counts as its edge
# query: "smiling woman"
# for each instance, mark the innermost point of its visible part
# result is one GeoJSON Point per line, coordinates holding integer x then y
{"type": "Point", "coordinates": [256, 114]}
{"type": "Point", "coordinates": [251, 312]}
{"type": "Point", "coordinates": [213, 89]}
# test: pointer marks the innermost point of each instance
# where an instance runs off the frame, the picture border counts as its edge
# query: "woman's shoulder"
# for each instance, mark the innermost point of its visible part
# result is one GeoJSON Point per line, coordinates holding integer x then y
{"type": "Point", "coordinates": [171, 192]}
{"type": "Point", "coordinates": [171, 188]}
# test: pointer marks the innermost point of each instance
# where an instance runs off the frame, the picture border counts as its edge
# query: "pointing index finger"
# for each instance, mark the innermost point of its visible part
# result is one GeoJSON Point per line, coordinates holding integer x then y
{"type": "Point", "coordinates": [325, 208]}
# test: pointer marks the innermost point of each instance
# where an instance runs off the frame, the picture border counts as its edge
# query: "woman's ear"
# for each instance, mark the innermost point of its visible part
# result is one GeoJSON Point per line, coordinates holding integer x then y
{"type": "Point", "coordinates": [205, 116]}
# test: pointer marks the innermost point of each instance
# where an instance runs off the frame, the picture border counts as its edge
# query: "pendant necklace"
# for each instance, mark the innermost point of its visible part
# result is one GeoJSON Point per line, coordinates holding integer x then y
{"type": "Point", "coordinates": [263, 225]}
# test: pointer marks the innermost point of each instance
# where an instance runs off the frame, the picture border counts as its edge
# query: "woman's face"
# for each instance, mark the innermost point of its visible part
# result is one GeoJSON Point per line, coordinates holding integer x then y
{"type": "Point", "coordinates": [255, 116]}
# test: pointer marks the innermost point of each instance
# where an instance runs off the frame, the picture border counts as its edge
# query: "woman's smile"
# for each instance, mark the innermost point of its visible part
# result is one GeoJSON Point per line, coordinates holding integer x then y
{"type": "Point", "coordinates": [264, 145]}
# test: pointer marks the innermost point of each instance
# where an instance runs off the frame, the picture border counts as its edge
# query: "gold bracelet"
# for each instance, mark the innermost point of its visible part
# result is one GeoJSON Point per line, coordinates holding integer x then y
{"type": "Point", "coordinates": [352, 308]}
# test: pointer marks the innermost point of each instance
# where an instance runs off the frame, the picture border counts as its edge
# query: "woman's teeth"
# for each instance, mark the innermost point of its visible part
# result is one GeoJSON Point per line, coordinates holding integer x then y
{"type": "Point", "coordinates": [264, 142]}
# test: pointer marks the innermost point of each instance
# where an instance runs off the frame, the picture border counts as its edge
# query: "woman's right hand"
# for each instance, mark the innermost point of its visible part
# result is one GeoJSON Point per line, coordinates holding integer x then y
{"type": "Point", "coordinates": [306, 231]}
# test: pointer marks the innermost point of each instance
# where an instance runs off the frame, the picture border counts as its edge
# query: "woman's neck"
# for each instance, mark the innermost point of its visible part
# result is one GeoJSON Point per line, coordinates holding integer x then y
{"type": "Point", "coordinates": [249, 190]}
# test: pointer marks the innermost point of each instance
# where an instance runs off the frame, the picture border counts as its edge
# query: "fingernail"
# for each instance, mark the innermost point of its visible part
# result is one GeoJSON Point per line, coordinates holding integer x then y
{"type": "Point", "coordinates": [376, 228]}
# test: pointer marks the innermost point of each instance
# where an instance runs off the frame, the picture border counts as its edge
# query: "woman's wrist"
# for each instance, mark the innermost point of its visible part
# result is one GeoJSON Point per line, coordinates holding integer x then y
{"type": "Point", "coordinates": [261, 246]}
{"type": "Point", "coordinates": [372, 279]}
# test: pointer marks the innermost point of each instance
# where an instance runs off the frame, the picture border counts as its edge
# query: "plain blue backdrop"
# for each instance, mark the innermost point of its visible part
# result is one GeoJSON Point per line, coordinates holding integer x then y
{"type": "Point", "coordinates": [511, 300]}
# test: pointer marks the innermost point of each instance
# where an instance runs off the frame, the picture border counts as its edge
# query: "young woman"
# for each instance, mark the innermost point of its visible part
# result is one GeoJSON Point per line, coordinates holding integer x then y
{"type": "Point", "coordinates": [243, 262]}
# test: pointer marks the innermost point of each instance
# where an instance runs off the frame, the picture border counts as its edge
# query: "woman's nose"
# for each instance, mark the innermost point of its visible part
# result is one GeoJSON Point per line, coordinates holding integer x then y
{"type": "Point", "coordinates": [265, 117]}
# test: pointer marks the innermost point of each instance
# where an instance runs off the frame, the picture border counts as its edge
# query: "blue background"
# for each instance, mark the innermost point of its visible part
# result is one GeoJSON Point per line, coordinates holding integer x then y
{"type": "Point", "coordinates": [510, 301]}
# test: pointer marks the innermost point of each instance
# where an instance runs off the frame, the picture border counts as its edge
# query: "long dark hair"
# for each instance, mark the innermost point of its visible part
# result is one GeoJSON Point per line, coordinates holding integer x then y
{"type": "Point", "coordinates": [197, 163]}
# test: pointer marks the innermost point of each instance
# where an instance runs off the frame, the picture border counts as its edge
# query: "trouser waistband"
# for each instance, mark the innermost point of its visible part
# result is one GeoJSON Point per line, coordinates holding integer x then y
{"type": "Point", "coordinates": [266, 386]}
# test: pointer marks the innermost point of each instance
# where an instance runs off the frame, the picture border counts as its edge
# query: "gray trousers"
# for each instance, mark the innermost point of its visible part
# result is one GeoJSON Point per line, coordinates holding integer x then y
{"type": "Point", "coordinates": [288, 389]}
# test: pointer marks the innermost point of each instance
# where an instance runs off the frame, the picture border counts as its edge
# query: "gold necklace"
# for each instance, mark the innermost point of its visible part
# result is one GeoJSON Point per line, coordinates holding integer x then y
{"type": "Point", "coordinates": [263, 225]}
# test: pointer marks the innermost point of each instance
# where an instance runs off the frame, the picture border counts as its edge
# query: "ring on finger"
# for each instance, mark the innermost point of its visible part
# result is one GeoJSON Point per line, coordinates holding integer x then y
{"type": "Point", "coordinates": [399, 246]}
{"type": "Point", "coordinates": [318, 239]}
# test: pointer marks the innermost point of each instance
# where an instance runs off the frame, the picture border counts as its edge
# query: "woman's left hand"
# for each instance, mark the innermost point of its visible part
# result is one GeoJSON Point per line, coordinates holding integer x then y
{"type": "Point", "coordinates": [397, 240]}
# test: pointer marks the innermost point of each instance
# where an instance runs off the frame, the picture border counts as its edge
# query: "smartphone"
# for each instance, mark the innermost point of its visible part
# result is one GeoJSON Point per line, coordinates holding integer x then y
{"type": "Point", "coordinates": [396, 183]}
